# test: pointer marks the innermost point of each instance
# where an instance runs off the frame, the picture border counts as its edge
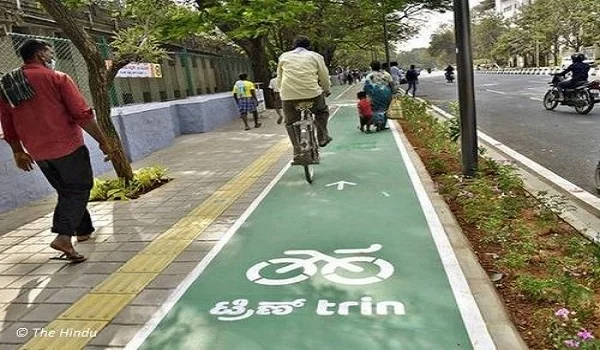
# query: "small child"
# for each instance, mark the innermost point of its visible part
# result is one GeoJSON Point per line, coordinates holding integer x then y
{"type": "Point", "coordinates": [365, 111]}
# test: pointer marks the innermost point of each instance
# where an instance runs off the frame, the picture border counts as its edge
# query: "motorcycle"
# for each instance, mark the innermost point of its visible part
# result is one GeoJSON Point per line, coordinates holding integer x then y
{"type": "Point", "coordinates": [582, 97]}
{"type": "Point", "coordinates": [449, 77]}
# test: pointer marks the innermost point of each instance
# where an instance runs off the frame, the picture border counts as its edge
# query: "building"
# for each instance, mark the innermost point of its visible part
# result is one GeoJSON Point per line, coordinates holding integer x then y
{"type": "Point", "coordinates": [509, 8]}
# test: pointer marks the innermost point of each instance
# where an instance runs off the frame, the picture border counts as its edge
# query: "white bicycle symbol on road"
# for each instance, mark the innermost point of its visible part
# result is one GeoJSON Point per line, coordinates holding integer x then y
{"type": "Point", "coordinates": [307, 267]}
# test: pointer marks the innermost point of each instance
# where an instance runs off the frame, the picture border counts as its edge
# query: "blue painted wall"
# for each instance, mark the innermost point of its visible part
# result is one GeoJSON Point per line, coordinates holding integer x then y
{"type": "Point", "coordinates": [143, 128]}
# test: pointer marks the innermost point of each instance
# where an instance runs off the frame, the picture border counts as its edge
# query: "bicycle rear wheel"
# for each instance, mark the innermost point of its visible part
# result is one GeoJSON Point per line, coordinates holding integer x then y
{"type": "Point", "coordinates": [309, 173]}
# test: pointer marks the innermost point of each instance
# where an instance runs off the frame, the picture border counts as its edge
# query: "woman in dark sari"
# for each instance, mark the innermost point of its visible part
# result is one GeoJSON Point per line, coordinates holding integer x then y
{"type": "Point", "coordinates": [379, 88]}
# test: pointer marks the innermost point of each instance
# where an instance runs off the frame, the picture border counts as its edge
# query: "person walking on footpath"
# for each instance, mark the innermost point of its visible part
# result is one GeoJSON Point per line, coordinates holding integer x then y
{"type": "Point", "coordinates": [42, 115]}
{"type": "Point", "coordinates": [396, 76]}
{"type": "Point", "coordinates": [302, 76]}
{"type": "Point", "coordinates": [412, 77]}
{"type": "Point", "coordinates": [276, 97]}
{"type": "Point", "coordinates": [244, 94]}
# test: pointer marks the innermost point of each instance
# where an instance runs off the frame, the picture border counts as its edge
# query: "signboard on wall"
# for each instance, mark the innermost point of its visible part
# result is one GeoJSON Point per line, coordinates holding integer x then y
{"type": "Point", "coordinates": [139, 70]}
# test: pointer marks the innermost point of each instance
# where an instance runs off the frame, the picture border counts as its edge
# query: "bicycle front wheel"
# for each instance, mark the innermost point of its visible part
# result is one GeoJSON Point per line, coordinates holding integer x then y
{"type": "Point", "coordinates": [309, 173]}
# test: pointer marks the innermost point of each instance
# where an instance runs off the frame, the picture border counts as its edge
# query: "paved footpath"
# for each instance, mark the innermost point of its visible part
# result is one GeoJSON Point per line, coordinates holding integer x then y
{"type": "Point", "coordinates": [239, 252]}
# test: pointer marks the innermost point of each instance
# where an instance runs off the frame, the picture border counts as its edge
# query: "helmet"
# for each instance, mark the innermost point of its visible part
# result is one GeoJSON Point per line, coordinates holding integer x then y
{"type": "Point", "coordinates": [579, 57]}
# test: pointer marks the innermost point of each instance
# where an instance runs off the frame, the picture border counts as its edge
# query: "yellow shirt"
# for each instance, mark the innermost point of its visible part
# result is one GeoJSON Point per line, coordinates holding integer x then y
{"type": "Point", "coordinates": [302, 74]}
{"type": "Point", "coordinates": [243, 88]}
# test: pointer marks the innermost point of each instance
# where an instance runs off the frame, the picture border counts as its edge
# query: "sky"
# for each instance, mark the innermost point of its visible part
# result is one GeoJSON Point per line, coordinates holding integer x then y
{"type": "Point", "coordinates": [433, 21]}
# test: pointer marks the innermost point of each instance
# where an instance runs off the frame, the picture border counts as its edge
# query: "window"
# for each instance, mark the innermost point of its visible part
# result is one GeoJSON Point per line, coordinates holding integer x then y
{"type": "Point", "coordinates": [147, 96]}
{"type": "Point", "coordinates": [198, 91]}
{"type": "Point", "coordinates": [127, 98]}
{"type": "Point", "coordinates": [163, 95]}
{"type": "Point", "coordinates": [189, 92]}
{"type": "Point", "coordinates": [177, 93]}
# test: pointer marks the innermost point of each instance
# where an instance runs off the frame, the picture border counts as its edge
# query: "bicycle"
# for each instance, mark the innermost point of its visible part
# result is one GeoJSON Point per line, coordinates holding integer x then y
{"type": "Point", "coordinates": [306, 267]}
{"type": "Point", "coordinates": [306, 138]}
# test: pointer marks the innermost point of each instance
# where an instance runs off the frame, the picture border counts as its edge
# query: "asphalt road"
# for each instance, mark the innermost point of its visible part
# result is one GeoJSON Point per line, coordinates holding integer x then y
{"type": "Point", "coordinates": [509, 109]}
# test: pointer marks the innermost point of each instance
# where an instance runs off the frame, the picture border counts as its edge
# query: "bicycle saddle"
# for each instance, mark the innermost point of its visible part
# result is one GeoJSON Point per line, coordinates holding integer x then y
{"type": "Point", "coordinates": [304, 105]}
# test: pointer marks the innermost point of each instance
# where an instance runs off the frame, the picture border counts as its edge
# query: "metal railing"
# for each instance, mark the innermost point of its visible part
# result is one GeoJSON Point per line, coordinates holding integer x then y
{"type": "Point", "coordinates": [184, 73]}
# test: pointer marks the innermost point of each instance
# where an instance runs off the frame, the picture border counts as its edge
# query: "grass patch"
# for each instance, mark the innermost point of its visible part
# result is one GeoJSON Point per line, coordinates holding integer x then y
{"type": "Point", "coordinates": [144, 181]}
{"type": "Point", "coordinates": [546, 265]}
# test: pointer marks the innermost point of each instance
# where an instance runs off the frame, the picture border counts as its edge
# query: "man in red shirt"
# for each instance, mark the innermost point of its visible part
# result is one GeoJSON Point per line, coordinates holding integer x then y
{"type": "Point", "coordinates": [43, 114]}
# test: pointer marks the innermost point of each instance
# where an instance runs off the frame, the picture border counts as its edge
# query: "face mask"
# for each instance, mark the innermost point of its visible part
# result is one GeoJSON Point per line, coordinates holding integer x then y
{"type": "Point", "coordinates": [51, 64]}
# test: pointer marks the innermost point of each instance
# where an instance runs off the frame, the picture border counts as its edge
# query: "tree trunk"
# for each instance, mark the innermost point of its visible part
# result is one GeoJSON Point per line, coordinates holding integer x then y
{"type": "Point", "coordinates": [255, 49]}
{"type": "Point", "coordinates": [98, 81]}
{"type": "Point", "coordinates": [328, 54]}
{"type": "Point", "coordinates": [556, 52]}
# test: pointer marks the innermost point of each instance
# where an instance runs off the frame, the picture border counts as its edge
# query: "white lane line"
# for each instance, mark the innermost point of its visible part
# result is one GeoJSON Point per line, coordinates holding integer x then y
{"type": "Point", "coordinates": [493, 84]}
{"type": "Point", "coordinates": [147, 329]}
{"type": "Point", "coordinates": [145, 332]}
{"type": "Point", "coordinates": [496, 92]}
{"type": "Point", "coordinates": [536, 99]}
{"type": "Point", "coordinates": [386, 194]}
{"type": "Point", "coordinates": [474, 323]}
{"type": "Point", "coordinates": [343, 92]}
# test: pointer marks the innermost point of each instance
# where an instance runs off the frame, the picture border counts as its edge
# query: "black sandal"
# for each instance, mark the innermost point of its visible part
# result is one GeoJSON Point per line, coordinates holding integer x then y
{"type": "Point", "coordinates": [71, 256]}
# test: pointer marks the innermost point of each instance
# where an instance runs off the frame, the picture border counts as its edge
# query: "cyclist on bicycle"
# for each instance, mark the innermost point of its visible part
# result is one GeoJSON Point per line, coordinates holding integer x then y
{"type": "Point", "coordinates": [303, 76]}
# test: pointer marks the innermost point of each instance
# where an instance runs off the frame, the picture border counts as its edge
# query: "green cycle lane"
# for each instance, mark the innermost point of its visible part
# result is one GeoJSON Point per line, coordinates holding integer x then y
{"type": "Point", "coordinates": [348, 262]}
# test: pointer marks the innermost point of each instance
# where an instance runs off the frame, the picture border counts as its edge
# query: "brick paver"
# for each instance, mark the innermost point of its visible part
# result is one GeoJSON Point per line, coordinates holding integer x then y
{"type": "Point", "coordinates": [34, 290]}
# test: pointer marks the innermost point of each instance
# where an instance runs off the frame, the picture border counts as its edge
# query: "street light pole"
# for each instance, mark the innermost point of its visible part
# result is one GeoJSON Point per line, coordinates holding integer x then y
{"type": "Point", "coordinates": [466, 91]}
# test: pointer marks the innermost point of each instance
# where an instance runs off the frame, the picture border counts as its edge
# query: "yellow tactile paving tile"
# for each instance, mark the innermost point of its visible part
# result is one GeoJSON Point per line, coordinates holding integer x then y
{"type": "Point", "coordinates": [147, 263]}
{"type": "Point", "coordinates": [125, 283]}
{"type": "Point", "coordinates": [97, 308]}
{"type": "Point", "coordinates": [65, 336]}
{"type": "Point", "coordinates": [164, 247]}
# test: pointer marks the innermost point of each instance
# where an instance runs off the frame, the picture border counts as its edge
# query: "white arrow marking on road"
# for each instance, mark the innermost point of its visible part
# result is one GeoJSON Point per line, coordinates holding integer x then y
{"type": "Point", "coordinates": [340, 184]}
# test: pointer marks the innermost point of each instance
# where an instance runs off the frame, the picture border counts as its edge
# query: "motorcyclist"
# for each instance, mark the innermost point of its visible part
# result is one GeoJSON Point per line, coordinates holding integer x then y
{"type": "Point", "coordinates": [579, 73]}
{"type": "Point", "coordinates": [449, 71]}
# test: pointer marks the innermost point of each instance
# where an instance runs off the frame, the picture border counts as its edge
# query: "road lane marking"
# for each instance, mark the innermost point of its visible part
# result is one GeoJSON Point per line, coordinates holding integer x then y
{"type": "Point", "coordinates": [340, 184]}
{"type": "Point", "coordinates": [496, 92]}
{"type": "Point", "coordinates": [343, 92]}
{"type": "Point", "coordinates": [473, 320]}
{"type": "Point", "coordinates": [147, 329]}
{"type": "Point", "coordinates": [536, 99]}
